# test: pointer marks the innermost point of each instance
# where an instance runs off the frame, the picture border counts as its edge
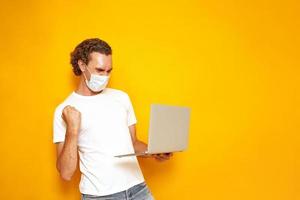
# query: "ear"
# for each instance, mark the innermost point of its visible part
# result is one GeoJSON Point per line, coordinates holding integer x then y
{"type": "Point", "coordinates": [81, 65]}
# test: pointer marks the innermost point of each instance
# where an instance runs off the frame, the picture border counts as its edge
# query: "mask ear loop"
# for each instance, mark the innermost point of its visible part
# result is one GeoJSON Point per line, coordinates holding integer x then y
{"type": "Point", "coordinates": [84, 73]}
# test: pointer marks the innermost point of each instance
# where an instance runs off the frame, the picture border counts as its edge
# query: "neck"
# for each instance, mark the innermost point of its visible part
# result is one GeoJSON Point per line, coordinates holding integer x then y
{"type": "Point", "coordinates": [82, 88]}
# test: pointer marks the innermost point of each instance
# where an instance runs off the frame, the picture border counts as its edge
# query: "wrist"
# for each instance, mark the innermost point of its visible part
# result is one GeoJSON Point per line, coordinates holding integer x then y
{"type": "Point", "coordinates": [139, 146]}
{"type": "Point", "coordinates": [72, 131]}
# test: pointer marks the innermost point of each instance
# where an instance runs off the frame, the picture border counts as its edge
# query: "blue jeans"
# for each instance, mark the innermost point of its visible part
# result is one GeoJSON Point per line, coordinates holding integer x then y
{"type": "Point", "coordinates": [136, 192]}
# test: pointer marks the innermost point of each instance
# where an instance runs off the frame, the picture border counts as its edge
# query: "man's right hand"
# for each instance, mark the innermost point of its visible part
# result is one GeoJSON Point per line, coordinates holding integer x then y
{"type": "Point", "coordinates": [72, 117]}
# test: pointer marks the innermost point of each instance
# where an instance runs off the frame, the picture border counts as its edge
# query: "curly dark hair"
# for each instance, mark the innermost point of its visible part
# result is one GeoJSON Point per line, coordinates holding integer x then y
{"type": "Point", "coordinates": [84, 49]}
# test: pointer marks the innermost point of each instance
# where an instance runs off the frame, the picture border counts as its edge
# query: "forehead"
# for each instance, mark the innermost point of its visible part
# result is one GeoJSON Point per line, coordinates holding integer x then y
{"type": "Point", "coordinates": [100, 59]}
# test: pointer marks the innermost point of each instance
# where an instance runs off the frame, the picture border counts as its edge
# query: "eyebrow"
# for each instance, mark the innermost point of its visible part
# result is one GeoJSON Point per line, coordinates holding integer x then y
{"type": "Point", "coordinates": [103, 69]}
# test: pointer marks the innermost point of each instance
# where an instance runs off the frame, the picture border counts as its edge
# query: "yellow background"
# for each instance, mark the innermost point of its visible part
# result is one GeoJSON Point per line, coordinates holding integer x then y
{"type": "Point", "coordinates": [235, 63]}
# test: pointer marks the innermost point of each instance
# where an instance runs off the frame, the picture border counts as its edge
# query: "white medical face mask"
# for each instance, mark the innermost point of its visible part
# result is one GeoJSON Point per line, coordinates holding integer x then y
{"type": "Point", "coordinates": [96, 82]}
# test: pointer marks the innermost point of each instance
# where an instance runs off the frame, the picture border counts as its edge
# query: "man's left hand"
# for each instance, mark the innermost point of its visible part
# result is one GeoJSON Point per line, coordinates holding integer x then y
{"type": "Point", "coordinates": [162, 156]}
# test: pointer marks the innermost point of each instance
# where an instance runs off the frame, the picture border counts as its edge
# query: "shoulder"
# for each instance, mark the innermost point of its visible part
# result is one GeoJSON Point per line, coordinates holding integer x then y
{"type": "Point", "coordinates": [116, 92]}
{"type": "Point", "coordinates": [119, 95]}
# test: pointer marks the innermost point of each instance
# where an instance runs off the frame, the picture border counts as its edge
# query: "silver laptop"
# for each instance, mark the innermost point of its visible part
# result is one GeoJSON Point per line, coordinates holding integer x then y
{"type": "Point", "coordinates": [168, 130]}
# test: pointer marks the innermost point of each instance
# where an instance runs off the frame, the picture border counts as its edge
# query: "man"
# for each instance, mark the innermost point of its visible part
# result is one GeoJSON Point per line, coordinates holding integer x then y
{"type": "Point", "coordinates": [99, 123]}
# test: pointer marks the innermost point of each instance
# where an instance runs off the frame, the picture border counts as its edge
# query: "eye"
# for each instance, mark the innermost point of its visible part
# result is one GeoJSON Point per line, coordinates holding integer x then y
{"type": "Point", "coordinates": [99, 70]}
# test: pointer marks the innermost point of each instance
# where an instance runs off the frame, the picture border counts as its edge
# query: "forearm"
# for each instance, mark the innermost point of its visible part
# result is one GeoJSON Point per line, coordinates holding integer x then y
{"type": "Point", "coordinates": [140, 146]}
{"type": "Point", "coordinates": [67, 160]}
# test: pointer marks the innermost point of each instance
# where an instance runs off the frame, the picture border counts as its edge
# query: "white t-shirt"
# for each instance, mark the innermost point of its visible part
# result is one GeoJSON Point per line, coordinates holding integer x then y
{"type": "Point", "coordinates": [104, 133]}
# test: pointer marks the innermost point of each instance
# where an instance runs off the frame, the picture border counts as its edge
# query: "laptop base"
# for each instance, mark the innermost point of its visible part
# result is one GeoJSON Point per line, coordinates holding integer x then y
{"type": "Point", "coordinates": [133, 154]}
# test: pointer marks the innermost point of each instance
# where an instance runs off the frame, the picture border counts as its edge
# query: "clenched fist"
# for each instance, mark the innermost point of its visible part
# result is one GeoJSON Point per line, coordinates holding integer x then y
{"type": "Point", "coordinates": [72, 117]}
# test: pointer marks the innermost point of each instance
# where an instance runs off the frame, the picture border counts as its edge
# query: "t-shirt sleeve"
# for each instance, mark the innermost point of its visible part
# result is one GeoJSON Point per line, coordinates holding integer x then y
{"type": "Point", "coordinates": [131, 118]}
{"type": "Point", "coordinates": [59, 127]}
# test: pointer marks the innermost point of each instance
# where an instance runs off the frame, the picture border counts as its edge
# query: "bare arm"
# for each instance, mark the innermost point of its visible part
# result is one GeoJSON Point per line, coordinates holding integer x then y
{"type": "Point", "coordinates": [67, 152]}
{"type": "Point", "coordinates": [66, 162]}
{"type": "Point", "coordinates": [138, 145]}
